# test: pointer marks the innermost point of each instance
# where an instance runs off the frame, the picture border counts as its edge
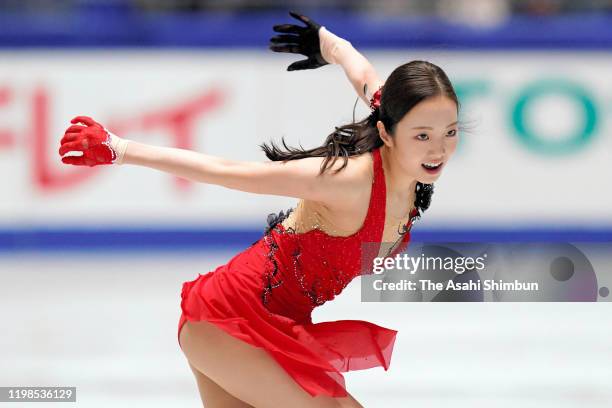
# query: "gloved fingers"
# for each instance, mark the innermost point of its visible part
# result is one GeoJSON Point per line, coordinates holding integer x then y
{"type": "Point", "coordinates": [288, 29]}
{"type": "Point", "coordinates": [302, 64]}
{"type": "Point", "coordinates": [86, 160]}
{"type": "Point", "coordinates": [86, 120]}
{"type": "Point", "coordinates": [72, 133]}
{"type": "Point", "coordinates": [75, 128]}
{"type": "Point", "coordinates": [76, 146]}
{"type": "Point", "coordinates": [285, 38]}
{"type": "Point", "coordinates": [76, 160]}
{"type": "Point", "coordinates": [291, 48]}
{"type": "Point", "coordinates": [70, 137]}
{"type": "Point", "coordinates": [300, 17]}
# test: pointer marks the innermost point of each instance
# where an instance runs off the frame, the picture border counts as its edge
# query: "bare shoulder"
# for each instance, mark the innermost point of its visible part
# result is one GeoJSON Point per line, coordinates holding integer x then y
{"type": "Point", "coordinates": [352, 184]}
{"type": "Point", "coordinates": [343, 201]}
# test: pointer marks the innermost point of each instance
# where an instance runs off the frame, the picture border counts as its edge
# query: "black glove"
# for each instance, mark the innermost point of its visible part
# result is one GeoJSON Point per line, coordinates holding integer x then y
{"type": "Point", "coordinates": [305, 42]}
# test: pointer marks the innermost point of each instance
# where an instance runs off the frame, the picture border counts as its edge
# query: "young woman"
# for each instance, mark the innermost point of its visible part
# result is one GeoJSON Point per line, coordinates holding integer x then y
{"type": "Point", "coordinates": [246, 327]}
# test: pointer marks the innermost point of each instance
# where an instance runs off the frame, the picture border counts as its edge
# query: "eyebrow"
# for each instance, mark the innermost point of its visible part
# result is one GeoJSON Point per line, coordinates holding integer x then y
{"type": "Point", "coordinates": [427, 127]}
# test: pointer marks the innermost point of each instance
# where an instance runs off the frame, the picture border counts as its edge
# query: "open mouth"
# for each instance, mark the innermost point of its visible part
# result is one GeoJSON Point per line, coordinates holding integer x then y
{"type": "Point", "coordinates": [432, 168]}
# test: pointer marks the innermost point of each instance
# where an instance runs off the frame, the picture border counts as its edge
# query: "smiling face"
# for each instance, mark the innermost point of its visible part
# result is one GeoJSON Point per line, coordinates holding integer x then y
{"type": "Point", "coordinates": [425, 138]}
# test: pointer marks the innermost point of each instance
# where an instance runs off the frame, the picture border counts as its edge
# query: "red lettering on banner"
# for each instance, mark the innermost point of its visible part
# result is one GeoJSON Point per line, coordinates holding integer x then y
{"type": "Point", "coordinates": [7, 138]}
{"type": "Point", "coordinates": [179, 120]}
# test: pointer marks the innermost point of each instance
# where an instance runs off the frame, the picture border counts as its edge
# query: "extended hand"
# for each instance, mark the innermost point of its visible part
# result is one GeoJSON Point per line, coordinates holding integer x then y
{"type": "Point", "coordinates": [92, 139]}
{"type": "Point", "coordinates": [299, 40]}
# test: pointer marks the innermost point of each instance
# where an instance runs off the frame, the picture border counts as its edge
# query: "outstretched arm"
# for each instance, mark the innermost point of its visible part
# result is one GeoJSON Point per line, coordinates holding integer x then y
{"type": "Point", "coordinates": [322, 47]}
{"type": "Point", "coordinates": [357, 68]}
{"type": "Point", "coordinates": [294, 178]}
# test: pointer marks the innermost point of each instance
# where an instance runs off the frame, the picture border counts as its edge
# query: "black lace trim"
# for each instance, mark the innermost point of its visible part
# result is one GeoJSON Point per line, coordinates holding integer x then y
{"type": "Point", "coordinates": [274, 219]}
{"type": "Point", "coordinates": [423, 196]}
{"type": "Point", "coordinates": [271, 278]}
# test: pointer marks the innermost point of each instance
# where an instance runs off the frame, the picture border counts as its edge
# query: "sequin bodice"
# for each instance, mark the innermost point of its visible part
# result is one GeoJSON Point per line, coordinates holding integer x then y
{"type": "Point", "coordinates": [305, 269]}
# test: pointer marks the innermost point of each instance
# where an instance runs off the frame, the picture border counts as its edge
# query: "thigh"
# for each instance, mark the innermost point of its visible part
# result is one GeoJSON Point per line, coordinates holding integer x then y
{"type": "Point", "coordinates": [212, 395]}
{"type": "Point", "coordinates": [246, 372]}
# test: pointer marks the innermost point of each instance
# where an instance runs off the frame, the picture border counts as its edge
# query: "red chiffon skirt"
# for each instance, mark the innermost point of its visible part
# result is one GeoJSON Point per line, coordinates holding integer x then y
{"type": "Point", "coordinates": [313, 354]}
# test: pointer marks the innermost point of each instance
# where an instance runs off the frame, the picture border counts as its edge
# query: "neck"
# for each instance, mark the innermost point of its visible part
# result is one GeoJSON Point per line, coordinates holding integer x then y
{"type": "Point", "coordinates": [399, 185]}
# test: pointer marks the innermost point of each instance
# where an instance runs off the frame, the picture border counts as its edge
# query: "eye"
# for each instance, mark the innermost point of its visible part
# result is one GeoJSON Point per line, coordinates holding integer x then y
{"type": "Point", "coordinates": [425, 137]}
{"type": "Point", "coordinates": [452, 133]}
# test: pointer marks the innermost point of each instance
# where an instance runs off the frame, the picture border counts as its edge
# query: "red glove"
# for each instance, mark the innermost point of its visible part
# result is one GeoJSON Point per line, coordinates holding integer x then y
{"type": "Point", "coordinates": [98, 145]}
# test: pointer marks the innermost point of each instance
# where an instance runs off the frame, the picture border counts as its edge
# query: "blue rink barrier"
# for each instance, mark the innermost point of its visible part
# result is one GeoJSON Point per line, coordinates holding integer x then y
{"type": "Point", "coordinates": [222, 239]}
{"type": "Point", "coordinates": [126, 27]}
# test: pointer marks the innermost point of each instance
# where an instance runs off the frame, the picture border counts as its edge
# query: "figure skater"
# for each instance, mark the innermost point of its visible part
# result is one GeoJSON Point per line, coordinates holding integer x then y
{"type": "Point", "coordinates": [245, 327]}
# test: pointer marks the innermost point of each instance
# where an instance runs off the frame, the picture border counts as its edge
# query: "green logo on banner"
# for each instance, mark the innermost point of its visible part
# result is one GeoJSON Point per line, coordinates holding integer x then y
{"type": "Point", "coordinates": [579, 137]}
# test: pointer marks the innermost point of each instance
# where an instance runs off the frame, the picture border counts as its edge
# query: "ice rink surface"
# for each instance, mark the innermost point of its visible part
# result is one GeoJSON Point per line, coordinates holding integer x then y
{"type": "Point", "coordinates": [107, 325]}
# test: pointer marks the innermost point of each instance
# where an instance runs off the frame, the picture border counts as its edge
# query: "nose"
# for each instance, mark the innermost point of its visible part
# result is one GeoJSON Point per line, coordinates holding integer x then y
{"type": "Point", "coordinates": [438, 150]}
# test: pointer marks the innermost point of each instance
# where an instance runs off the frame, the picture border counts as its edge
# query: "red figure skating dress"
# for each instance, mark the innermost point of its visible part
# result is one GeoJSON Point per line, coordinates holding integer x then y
{"type": "Point", "coordinates": [265, 296]}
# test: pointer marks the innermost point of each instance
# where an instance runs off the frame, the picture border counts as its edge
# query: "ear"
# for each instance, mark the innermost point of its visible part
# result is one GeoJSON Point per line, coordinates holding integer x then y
{"type": "Point", "coordinates": [388, 140]}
